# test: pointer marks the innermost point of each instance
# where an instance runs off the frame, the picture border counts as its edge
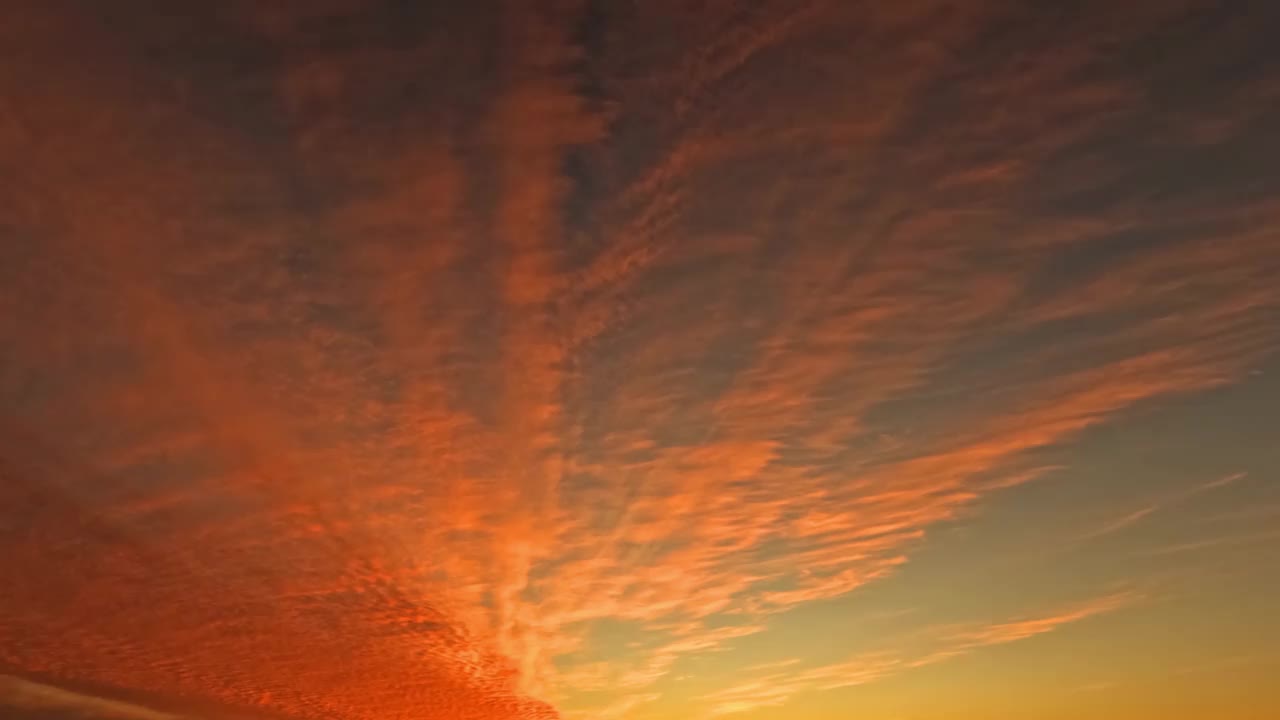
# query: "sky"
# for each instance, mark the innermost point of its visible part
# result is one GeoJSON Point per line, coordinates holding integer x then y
{"type": "Point", "coordinates": [620, 360]}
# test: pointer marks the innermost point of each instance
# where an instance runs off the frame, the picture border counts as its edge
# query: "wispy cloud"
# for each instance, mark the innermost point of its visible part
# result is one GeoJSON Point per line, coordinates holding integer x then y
{"type": "Point", "coordinates": [1001, 633]}
{"type": "Point", "coordinates": [23, 696]}
{"type": "Point", "coordinates": [1138, 515]}
{"type": "Point", "coordinates": [1213, 542]}
{"type": "Point", "coordinates": [777, 688]}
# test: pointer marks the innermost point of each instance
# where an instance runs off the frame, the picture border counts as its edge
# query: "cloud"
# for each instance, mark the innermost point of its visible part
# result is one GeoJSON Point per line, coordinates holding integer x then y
{"type": "Point", "coordinates": [38, 700]}
{"type": "Point", "coordinates": [1212, 542]}
{"type": "Point", "coordinates": [1138, 515]}
{"type": "Point", "coordinates": [776, 688]}
{"type": "Point", "coordinates": [25, 698]}
{"type": "Point", "coordinates": [380, 360]}
{"type": "Point", "coordinates": [1020, 629]}
{"type": "Point", "coordinates": [1122, 522]}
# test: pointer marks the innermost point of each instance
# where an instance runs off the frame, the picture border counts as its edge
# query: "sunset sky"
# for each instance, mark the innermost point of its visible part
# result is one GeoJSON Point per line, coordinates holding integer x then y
{"type": "Point", "coordinates": [639, 360]}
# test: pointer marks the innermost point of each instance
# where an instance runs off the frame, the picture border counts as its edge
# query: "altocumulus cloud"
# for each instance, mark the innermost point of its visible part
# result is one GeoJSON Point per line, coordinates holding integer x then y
{"type": "Point", "coordinates": [363, 360]}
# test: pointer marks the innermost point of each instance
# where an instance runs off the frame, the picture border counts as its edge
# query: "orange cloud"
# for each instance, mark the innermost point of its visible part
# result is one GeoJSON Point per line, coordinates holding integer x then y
{"type": "Point", "coordinates": [21, 696]}
{"type": "Point", "coordinates": [776, 688]}
{"type": "Point", "coordinates": [373, 362]}
{"type": "Point", "coordinates": [1020, 629]}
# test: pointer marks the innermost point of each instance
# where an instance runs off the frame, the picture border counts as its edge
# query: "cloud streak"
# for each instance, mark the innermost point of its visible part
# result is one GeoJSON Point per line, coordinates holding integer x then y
{"type": "Point", "coordinates": [946, 643]}
{"type": "Point", "coordinates": [1140, 514]}
{"type": "Point", "coordinates": [24, 696]}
